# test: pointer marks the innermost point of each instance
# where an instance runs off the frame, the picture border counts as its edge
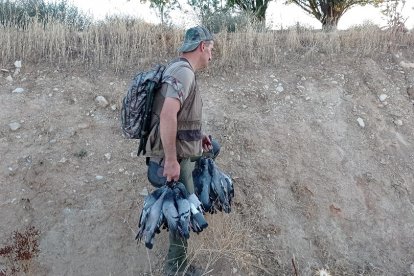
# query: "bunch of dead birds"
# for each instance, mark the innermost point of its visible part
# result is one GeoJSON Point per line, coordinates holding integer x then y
{"type": "Point", "coordinates": [173, 208]}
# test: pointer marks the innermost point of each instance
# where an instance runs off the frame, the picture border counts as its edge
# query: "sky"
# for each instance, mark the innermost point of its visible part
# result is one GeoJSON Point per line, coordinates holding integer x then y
{"type": "Point", "coordinates": [278, 15]}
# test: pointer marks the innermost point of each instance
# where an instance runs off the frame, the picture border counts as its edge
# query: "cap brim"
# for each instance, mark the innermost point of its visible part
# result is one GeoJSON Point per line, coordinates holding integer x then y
{"type": "Point", "coordinates": [188, 47]}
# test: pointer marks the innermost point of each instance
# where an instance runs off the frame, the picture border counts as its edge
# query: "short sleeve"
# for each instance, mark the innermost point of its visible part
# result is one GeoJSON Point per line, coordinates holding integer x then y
{"type": "Point", "coordinates": [178, 83]}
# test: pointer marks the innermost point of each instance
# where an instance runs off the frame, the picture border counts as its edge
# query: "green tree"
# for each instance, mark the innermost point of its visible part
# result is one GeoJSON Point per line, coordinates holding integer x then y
{"type": "Point", "coordinates": [255, 7]}
{"type": "Point", "coordinates": [392, 10]}
{"type": "Point", "coordinates": [328, 12]}
{"type": "Point", "coordinates": [163, 8]}
{"type": "Point", "coordinates": [20, 13]}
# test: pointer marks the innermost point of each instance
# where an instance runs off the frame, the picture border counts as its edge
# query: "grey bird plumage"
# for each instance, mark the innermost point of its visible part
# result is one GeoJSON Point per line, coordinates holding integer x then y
{"type": "Point", "coordinates": [170, 212]}
{"type": "Point", "coordinates": [153, 220]}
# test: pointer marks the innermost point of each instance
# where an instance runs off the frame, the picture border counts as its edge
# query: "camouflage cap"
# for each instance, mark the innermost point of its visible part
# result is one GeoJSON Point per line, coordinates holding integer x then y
{"type": "Point", "coordinates": [193, 37]}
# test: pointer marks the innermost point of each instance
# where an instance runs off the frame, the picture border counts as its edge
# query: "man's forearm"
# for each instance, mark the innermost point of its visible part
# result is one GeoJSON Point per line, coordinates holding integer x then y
{"type": "Point", "coordinates": [168, 129]}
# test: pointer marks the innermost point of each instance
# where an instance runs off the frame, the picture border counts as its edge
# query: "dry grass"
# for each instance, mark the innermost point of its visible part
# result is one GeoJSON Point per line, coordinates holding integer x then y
{"type": "Point", "coordinates": [125, 43]}
{"type": "Point", "coordinates": [230, 243]}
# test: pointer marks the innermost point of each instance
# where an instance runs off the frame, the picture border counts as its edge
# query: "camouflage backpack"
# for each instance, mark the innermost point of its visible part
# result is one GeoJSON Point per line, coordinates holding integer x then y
{"type": "Point", "coordinates": [136, 111]}
{"type": "Point", "coordinates": [137, 105]}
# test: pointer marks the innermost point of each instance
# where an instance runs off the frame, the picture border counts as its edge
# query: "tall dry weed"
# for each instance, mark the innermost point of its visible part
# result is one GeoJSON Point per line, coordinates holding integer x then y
{"type": "Point", "coordinates": [121, 43]}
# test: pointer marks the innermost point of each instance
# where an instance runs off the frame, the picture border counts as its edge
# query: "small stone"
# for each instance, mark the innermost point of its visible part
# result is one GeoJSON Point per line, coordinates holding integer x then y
{"type": "Point", "coordinates": [55, 89]}
{"type": "Point", "coordinates": [361, 122]}
{"type": "Point", "coordinates": [300, 88]}
{"type": "Point", "coordinates": [18, 63]}
{"type": "Point", "coordinates": [99, 177]}
{"type": "Point", "coordinates": [63, 160]}
{"type": "Point", "coordinates": [412, 268]}
{"type": "Point", "coordinates": [113, 107]}
{"type": "Point", "coordinates": [108, 156]}
{"type": "Point", "coordinates": [383, 97]}
{"type": "Point", "coordinates": [111, 83]}
{"type": "Point", "coordinates": [101, 101]}
{"type": "Point", "coordinates": [280, 88]}
{"type": "Point", "coordinates": [14, 126]}
{"type": "Point", "coordinates": [398, 122]}
{"type": "Point", "coordinates": [287, 98]}
{"type": "Point", "coordinates": [234, 270]}
{"type": "Point", "coordinates": [244, 106]}
{"type": "Point", "coordinates": [144, 192]}
{"type": "Point", "coordinates": [18, 90]}
{"type": "Point", "coordinates": [9, 78]}
{"type": "Point", "coordinates": [308, 98]}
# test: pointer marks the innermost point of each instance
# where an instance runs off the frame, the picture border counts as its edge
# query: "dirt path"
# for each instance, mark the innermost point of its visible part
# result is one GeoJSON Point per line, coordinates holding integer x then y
{"type": "Point", "coordinates": [311, 182]}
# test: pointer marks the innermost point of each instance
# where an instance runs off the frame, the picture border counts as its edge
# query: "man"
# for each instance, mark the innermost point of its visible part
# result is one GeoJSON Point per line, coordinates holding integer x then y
{"type": "Point", "coordinates": [176, 138]}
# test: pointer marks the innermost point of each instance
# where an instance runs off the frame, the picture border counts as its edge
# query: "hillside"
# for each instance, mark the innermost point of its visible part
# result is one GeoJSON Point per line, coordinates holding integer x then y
{"type": "Point", "coordinates": [313, 186]}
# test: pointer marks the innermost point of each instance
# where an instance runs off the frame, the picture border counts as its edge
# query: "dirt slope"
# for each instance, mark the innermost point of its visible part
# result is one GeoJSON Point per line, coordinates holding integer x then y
{"type": "Point", "coordinates": [310, 180]}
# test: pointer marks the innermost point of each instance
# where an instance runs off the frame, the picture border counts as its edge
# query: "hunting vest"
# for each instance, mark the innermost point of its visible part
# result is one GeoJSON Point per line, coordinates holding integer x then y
{"type": "Point", "coordinates": [189, 118]}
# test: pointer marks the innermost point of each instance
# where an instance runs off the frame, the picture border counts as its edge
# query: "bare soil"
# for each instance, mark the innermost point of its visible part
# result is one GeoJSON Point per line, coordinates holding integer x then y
{"type": "Point", "coordinates": [313, 187]}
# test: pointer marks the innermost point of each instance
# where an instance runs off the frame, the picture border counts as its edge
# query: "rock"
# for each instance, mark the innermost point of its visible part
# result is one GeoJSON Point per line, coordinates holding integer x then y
{"type": "Point", "coordinates": [16, 72]}
{"type": "Point", "coordinates": [99, 177]}
{"type": "Point", "coordinates": [398, 122]}
{"type": "Point", "coordinates": [280, 88]}
{"type": "Point", "coordinates": [234, 270]}
{"type": "Point", "coordinates": [108, 156]}
{"type": "Point", "coordinates": [4, 70]}
{"type": "Point", "coordinates": [361, 122]}
{"type": "Point", "coordinates": [407, 64]}
{"type": "Point", "coordinates": [383, 97]}
{"type": "Point", "coordinates": [113, 107]}
{"type": "Point", "coordinates": [9, 78]}
{"type": "Point", "coordinates": [63, 160]}
{"type": "Point", "coordinates": [307, 98]}
{"type": "Point", "coordinates": [18, 90]}
{"type": "Point", "coordinates": [14, 126]}
{"type": "Point", "coordinates": [144, 192]}
{"type": "Point", "coordinates": [18, 63]}
{"type": "Point", "coordinates": [101, 101]}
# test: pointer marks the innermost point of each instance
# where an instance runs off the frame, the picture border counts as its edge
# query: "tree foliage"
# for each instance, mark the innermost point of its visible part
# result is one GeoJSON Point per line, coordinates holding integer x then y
{"type": "Point", "coordinates": [392, 10]}
{"type": "Point", "coordinates": [163, 8]}
{"type": "Point", "coordinates": [20, 13]}
{"type": "Point", "coordinates": [256, 7]}
{"type": "Point", "coordinates": [328, 12]}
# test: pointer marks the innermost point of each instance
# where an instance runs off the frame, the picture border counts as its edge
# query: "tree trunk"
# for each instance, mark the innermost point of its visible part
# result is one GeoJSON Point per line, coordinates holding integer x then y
{"type": "Point", "coordinates": [330, 23]}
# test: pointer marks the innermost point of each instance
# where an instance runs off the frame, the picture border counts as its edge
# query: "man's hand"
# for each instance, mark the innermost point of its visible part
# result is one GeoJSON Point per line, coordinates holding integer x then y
{"type": "Point", "coordinates": [171, 170]}
{"type": "Point", "coordinates": [206, 143]}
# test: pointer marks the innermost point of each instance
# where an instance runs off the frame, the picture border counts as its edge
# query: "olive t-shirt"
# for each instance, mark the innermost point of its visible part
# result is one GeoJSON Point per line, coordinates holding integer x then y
{"type": "Point", "coordinates": [183, 78]}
